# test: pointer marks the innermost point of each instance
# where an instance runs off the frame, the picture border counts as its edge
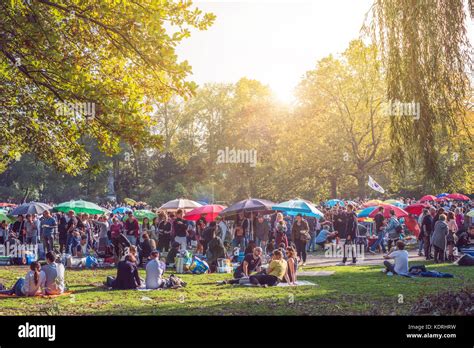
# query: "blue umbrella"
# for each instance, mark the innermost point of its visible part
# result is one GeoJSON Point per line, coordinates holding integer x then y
{"type": "Point", "coordinates": [366, 212]}
{"type": "Point", "coordinates": [298, 206]}
{"type": "Point", "coordinates": [121, 210]}
{"type": "Point", "coordinates": [442, 195]}
{"type": "Point", "coordinates": [332, 202]}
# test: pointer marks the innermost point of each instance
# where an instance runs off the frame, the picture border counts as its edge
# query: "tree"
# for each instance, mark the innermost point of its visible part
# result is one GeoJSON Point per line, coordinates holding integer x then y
{"type": "Point", "coordinates": [427, 57]}
{"type": "Point", "coordinates": [75, 68]}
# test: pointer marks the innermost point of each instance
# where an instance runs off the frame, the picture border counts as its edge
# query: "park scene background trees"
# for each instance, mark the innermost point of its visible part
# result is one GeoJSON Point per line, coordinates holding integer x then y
{"type": "Point", "coordinates": [156, 135]}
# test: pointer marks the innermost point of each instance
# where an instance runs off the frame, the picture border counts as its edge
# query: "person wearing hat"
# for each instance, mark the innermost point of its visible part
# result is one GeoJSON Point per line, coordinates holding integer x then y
{"type": "Point", "coordinates": [154, 271]}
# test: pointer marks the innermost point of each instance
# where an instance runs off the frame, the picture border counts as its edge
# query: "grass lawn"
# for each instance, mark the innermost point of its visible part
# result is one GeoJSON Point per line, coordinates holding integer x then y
{"type": "Point", "coordinates": [356, 290]}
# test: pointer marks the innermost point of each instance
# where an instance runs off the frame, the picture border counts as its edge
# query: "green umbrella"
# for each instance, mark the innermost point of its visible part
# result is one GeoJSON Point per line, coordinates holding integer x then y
{"type": "Point", "coordinates": [3, 216]}
{"type": "Point", "coordinates": [80, 206]}
{"type": "Point", "coordinates": [140, 214]}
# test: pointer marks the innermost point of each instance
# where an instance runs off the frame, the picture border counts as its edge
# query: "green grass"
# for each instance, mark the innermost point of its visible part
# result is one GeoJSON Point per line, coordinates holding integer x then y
{"type": "Point", "coordinates": [352, 290]}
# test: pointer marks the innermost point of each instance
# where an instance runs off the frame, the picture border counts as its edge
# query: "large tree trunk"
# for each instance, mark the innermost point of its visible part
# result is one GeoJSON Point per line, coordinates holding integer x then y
{"type": "Point", "coordinates": [361, 185]}
{"type": "Point", "coordinates": [333, 181]}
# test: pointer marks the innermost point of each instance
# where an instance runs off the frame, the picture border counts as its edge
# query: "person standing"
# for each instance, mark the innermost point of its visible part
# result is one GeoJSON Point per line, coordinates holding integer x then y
{"type": "Point", "coordinates": [180, 229]}
{"type": "Point", "coordinates": [350, 232]}
{"type": "Point", "coordinates": [19, 228]}
{"type": "Point", "coordinates": [393, 230]}
{"type": "Point", "coordinates": [452, 231]}
{"type": "Point", "coordinates": [421, 239]}
{"type": "Point", "coordinates": [379, 220]}
{"type": "Point", "coordinates": [31, 230]}
{"type": "Point", "coordinates": [300, 235]}
{"type": "Point", "coordinates": [438, 238]}
{"type": "Point", "coordinates": [164, 232]}
{"type": "Point", "coordinates": [62, 232]}
{"type": "Point", "coordinates": [132, 229]}
{"type": "Point", "coordinates": [48, 224]}
{"type": "Point", "coordinates": [70, 228]}
{"type": "Point", "coordinates": [222, 226]}
{"type": "Point", "coordinates": [262, 231]}
{"type": "Point", "coordinates": [427, 228]}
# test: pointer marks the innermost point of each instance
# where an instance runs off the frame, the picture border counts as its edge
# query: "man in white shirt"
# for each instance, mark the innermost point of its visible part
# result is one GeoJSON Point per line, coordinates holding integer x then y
{"type": "Point", "coordinates": [154, 271]}
{"type": "Point", "coordinates": [401, 260]}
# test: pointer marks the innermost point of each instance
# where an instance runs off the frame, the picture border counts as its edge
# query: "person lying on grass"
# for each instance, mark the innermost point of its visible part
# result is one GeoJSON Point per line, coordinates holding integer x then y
{"type": "Point", "coordinates": [401, 260]}
{"type": "Point", "coordinates": [30, 285]}
{"type": "Point", "coordinates": [251, 263]}
{"type": "Point", "coordinates": [274, 274]}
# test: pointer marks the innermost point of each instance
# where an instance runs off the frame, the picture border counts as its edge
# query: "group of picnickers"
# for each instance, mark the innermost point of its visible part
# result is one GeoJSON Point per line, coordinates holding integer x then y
{"type": "Point", "coordinates": [282, 234]}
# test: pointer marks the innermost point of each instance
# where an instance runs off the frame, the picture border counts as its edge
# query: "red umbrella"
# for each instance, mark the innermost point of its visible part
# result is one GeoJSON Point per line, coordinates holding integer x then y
{"type": "Point", "coordinates": [7, 205]}
{"type": "Point", "coordinates": [399, 212]}
{"type": "Point", "coordinates": [416, 208]}
{"type": "Point", "coordinates": [428, 198]}
{"type": "Point", "coordinates": [458, 197]}
{"type": "Point", "coordinates": [211, 211]}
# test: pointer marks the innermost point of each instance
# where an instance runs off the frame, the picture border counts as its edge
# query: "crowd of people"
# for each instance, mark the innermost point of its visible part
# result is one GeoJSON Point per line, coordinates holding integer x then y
{"type": "Point", "coordinates": [282, 241]}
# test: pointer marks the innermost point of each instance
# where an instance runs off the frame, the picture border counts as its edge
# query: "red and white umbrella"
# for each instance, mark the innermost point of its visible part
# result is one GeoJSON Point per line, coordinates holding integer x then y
{"type": "Point", "coordinates": [211, 211]}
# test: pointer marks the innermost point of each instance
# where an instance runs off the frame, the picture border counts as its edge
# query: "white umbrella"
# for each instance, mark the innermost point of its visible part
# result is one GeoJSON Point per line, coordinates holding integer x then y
{"type": "Point", "coordinates": [180, 203]}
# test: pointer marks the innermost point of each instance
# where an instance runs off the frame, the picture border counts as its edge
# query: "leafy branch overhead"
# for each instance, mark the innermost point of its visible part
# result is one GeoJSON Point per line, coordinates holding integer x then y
{"type": "Point", "coordinates": [116, 55]}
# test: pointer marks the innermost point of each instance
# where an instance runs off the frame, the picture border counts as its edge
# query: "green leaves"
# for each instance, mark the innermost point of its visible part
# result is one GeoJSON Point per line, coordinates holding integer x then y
{"type": "Point", "coordinates": [110, 53]}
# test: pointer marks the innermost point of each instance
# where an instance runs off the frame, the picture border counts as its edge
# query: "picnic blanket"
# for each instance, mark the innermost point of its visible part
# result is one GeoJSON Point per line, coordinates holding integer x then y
{"type": "Point", "coordinates": [37, 295]}
{"type": "Point", "coordinates": [298, 283]}
{"type": "Point", "coordinates": [315, 273]}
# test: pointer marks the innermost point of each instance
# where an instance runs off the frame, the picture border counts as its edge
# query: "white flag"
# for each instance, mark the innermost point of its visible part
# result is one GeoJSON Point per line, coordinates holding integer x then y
{"type": "Point", "coordinates": [374, 186]}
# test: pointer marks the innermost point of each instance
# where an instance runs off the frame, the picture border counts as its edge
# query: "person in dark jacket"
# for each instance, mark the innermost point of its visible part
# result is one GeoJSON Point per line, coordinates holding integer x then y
{"type": "Point", "coordinates": [127, 275]}
{"type": "Point", "coordinates": [146, 247]}
{"type": "Point", "coordinates": [215, 251]}
{"type": "Point", "coordinates": [208, 234]}
{"type": "Point", "coordinates": [172, 253]}
{"type": "Point", "coordinates": [427, 227]}
{"type": "Point", "coordinates": [300, 235]}
{"type": "Point", "coordinates": [350, 232]}
{"type": "Point", "coordinates": [62, 231]}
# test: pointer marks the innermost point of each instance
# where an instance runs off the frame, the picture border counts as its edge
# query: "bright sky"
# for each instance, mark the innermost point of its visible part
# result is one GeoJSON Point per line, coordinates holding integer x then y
{"type": "Point", "coordinates": [274, 42]}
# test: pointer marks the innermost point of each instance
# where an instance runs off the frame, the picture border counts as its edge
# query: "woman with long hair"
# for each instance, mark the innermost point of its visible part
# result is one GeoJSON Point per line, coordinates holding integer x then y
{"type": "Point", "coordinates": [292, 266]}
{"type": "Point", "coordinates": [450, 238]}
{"type": "Point", "coordinates": [31, 284]}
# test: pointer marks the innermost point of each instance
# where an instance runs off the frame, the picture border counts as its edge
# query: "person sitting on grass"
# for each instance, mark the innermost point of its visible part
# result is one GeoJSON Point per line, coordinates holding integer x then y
{"type": "Point", "coordinates": [146, 247]}
{"type": "Point", "coordinates": [292, 261]}
{"type": "Point", "coordinates": [154, 271]}
{"type": "Point", "coordinates": [215, 251]}
{"type": "Point", "coordinates": [274, 274]}
{"type": "Point", "coordinates": [83, 249]}
{"type": "Point", "coordinates": [31, 284]}
{"type": "Point", "coordinates": [401, 260]}
{"type": "Point", "coordinates": [54, 275]}
{"type": "Point", "coordinates": [251, 263]}
{"type": "Point", "coordinates": [127, 275]}
{"type": "Point", "coordinates": [172, 253]}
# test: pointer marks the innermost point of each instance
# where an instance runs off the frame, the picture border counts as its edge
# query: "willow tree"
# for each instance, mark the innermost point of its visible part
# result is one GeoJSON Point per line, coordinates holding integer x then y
{"type": "Point", "coordinates": [115, 57]}
{"type": "Point", "coordinates": [428, 58]}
